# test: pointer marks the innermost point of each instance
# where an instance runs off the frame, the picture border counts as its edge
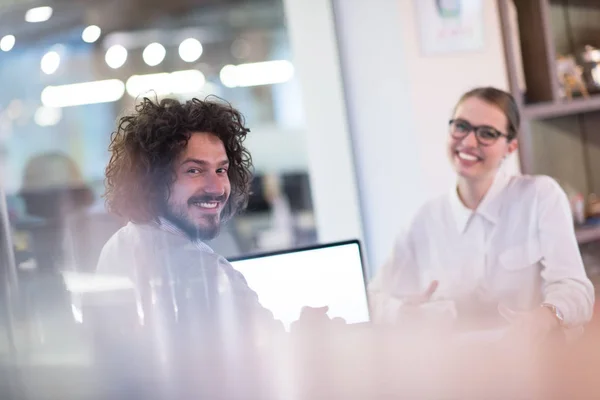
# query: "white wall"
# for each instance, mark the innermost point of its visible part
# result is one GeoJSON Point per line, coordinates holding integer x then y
{"type": "Point", "coordinates": [399, 103]}
{"type": "Point", "coordinates": [438, 82]}
{"type": "Point", "coordinates": [380, 108]}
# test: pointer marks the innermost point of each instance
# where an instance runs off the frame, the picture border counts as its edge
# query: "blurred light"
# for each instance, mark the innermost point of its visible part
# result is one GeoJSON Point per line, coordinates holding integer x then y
{"type": "Point", "coordinates": [255, 74]}
{"type": "Point", "coordinates": [7, 43]}
{"type": "Point", "coordinates": [240, 48]}
{"type": "Point", "coordinates": [190, 50]}
{"type": "Point", "coordinates": [190, 81]}
{"type": "Point", "coordinates": [47, 116]}
{"type": "Point", "coordinates": [78, 283]}
{"type": "Point", "coordinates": [228, 76]}
{"type": "Point", "coordinates": [38, 14]}
{"type": "Point", "coordinates": [83, 93]}
{"type": "Point", "coordinates": [14, 109]}
{"type": "Point", "coordinates": [180, 82]}
{"type": "Point", "coordinates": [77, 314]}
{"type": "Point", "coordinates": [140, 84]}
{"type": "Point", "coordinates": [91, 34]}
{"type": "Point", "coordinates": [116, 56]}
{"type": "Point", "coordinates": [154, 54]}
{"type": "Point", "coordinates": [50, 62]}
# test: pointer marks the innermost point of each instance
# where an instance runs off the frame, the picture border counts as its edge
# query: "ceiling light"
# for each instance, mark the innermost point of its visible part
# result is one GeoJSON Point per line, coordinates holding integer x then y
{"type": "Point", "coordinates": [116, 56]}
{"type": "Point", "coordinates": [228, 76]}
{"type": "Point", "coordinates": [83, 93]}
{"type": "Point", "coordinates": [179, 82]}
{"type": "Point", "coordinates": [91, 34]}
{"type": "Point", "coordinates": [190, 50]}
{"type": "Point", "coordinates": [190, 81]}
{"type": "Point", "coordinates": [7, 43]}
{"type": "Point", "coordinates": [158, 84]}
{"type": "Point", "coordinates": [50, 62]}
{"type": "Point", "coordinates": [154, 54]}
{"type": "Point", "coordinates": [38, 14]}
{"type": "Point", "coordinates": [256, 74]}
{"type": "Point", "coordinates": [47, 116]}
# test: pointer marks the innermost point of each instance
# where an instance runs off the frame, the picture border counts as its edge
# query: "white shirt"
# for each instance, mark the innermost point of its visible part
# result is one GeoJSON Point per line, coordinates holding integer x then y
{"type": "Point", "coordinates": [143, 252]}
{"type": "Point", "coordinates": [518, 248]}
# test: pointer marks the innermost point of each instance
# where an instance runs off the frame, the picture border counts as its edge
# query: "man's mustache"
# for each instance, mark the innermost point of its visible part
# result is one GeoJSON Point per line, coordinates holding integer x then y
{"type": "Point", "coordinates": [207, 199]}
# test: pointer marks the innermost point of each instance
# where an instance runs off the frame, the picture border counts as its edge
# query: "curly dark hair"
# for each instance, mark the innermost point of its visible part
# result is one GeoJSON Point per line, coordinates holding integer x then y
{"type": "Point", "coordinates": [146, 144]}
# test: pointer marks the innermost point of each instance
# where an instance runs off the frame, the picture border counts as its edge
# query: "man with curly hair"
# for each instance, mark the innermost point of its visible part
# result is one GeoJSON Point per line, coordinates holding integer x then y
{"type": "Point", "coordinates": [177, 171]}
{"type": "Point", "coordinates": [184, 163]}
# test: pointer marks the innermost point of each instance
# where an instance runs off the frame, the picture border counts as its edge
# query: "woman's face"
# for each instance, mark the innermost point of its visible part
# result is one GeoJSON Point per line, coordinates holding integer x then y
{"type": "Point", "coordinates": [475, 159]}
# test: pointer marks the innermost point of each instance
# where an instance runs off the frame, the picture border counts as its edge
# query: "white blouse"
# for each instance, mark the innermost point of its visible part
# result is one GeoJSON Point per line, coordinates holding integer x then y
{"type": "Point", "coordinates": [517, 249]}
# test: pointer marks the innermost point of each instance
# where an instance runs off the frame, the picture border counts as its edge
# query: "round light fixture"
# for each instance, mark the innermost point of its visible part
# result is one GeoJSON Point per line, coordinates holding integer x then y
{"type": "Point", "coordinates": [50, 62]}
{"type": "Point", "coordinates": [116, 56]}
{"type": "Point", "coordinates": [154, 54]}
{"type": "Point", "coordinates": [190, 50]}
{"type": "Point", "coordinates": [91, 34]}
{"type": "Point", "coordinates": [7, 43]}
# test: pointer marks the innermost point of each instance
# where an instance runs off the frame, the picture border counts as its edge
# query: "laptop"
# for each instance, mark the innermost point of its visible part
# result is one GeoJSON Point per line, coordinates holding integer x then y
{"type": "Point", "coordinates": [330, 275]}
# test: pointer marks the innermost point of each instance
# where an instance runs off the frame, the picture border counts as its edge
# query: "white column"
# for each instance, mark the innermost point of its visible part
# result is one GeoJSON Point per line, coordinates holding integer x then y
{"type": "Point", "coordinates": [331, 165]}
{"type": "Point", "coordinates": [381, 118]}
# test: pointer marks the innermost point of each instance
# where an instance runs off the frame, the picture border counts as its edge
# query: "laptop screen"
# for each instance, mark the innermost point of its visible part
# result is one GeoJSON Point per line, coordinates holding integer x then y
{"type": "Point", "coordinates": [329, 275]}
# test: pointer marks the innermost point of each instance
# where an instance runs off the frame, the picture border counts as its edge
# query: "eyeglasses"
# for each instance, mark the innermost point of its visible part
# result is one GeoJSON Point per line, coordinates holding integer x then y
{"type": "Point", "coordinates": [485, 135]}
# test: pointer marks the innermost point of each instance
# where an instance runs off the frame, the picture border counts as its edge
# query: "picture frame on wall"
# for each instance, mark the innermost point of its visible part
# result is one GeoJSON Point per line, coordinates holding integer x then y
{"type": "Point", "coordinates": [450, 26]}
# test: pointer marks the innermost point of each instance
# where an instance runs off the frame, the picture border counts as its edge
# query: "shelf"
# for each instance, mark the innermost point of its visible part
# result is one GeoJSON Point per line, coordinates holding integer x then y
{"type": "Point", "coordinates": [588, 234]}
{"type": "Point", "coordinates": [578, 3]}
{"type": "Point", "coordinates": [562, 108]}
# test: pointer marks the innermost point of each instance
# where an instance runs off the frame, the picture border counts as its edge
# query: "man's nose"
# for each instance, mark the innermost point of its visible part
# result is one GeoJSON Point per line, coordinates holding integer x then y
{"type": "Point", "coordinates": [214, 185]}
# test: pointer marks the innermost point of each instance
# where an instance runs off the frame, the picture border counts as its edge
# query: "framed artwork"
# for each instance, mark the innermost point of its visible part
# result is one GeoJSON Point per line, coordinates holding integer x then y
{"type": "Point", "coordinates": [450, 26]}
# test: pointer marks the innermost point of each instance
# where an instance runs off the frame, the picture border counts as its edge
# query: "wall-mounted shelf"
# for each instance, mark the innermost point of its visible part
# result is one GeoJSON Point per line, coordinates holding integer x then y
{"type": "Point", "coordinates": [580, 3]}
{"type": "Point", "coordinates": [588, 234]}
{"type": "Point", "coordinates": [559, 137]}
{"type": "Point", "coordinates": [562, 108]}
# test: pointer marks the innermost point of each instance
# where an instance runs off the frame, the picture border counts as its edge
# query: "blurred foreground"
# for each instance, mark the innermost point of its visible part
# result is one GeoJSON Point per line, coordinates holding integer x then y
{"type": "Point", "coordinates": [333, 362]}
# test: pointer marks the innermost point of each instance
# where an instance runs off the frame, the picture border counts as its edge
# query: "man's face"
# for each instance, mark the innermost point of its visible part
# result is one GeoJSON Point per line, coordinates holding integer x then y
{"type": "Point", "coordinates": [201, 189]}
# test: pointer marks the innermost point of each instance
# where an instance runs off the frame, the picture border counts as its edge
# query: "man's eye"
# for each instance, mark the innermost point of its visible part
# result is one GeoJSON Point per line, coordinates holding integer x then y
{"type": "Point", "coordinates": [222, 170]}
{"type": "Point", "coordinates": [193, 171]}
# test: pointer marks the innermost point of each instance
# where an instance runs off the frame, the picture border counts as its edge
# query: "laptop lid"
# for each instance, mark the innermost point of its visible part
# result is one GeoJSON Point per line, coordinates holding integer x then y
{"type": "Point", "coordinates": [330, 275]}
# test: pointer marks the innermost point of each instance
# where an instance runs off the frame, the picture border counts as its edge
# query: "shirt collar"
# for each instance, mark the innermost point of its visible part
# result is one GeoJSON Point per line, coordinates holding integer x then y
{"type": "Point", "coordinates": [168, 226]}
{"type": "Point", "coordinates": [489, 208]}
{"type": "Point", "coordinates": [460, 212]}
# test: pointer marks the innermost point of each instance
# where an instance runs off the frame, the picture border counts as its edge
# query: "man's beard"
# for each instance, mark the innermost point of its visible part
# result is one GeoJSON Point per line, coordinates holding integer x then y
{"type": "Point", "coordinates": [179, 215]}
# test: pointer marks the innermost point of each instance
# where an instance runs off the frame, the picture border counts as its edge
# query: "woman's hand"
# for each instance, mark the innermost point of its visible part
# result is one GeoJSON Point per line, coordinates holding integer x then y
{"type": "Point", "coordinates": [423, 297]}
{"type": "Point", "coordinates": [418, 310]}
{"type": "Point", "coordinates": [530, 328]}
